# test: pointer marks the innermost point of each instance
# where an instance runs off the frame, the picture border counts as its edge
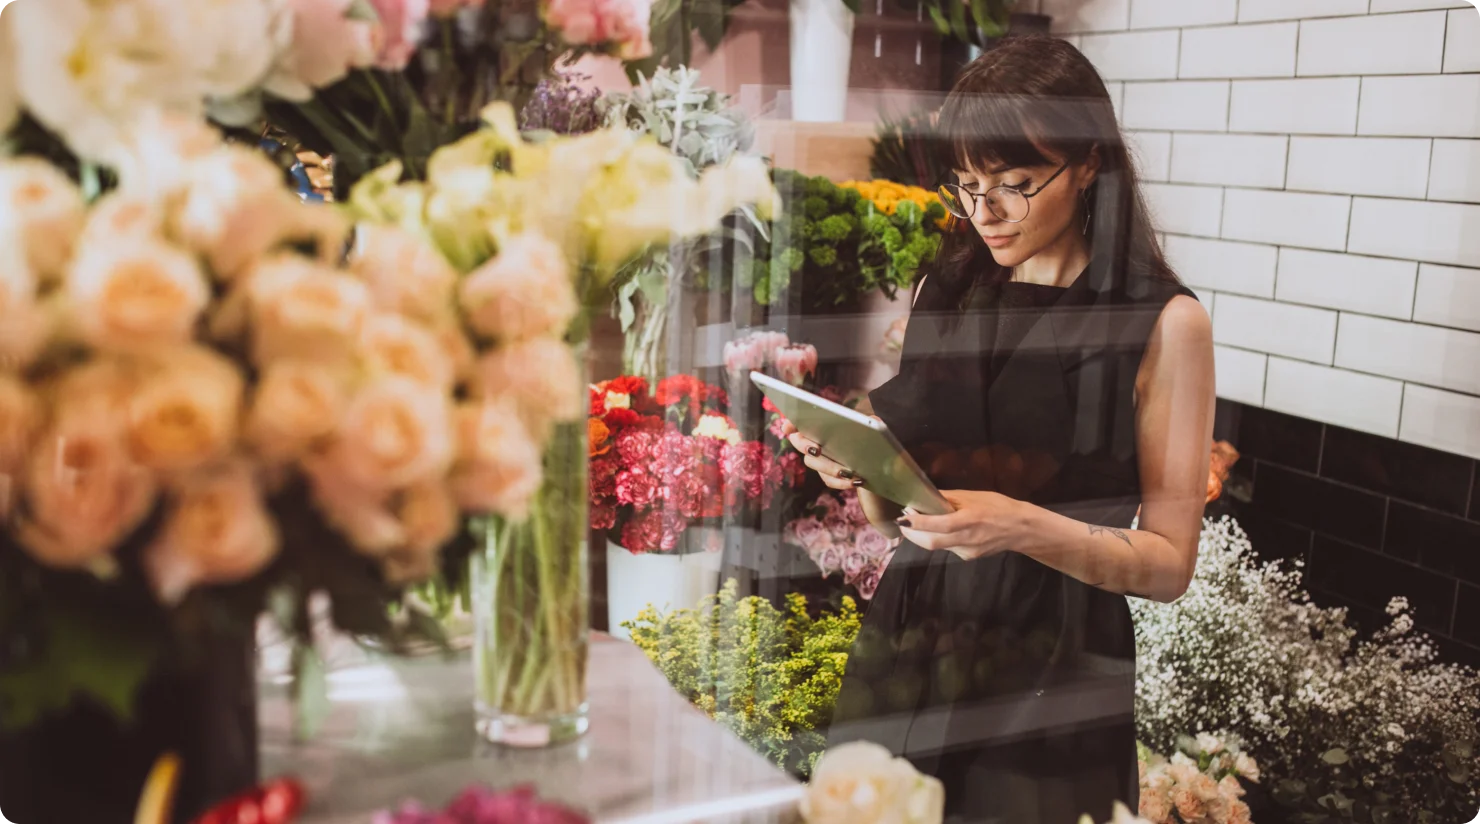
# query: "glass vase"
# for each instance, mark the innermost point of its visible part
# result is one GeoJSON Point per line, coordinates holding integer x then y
{"type": "Point", "coordinates": [529, 584]}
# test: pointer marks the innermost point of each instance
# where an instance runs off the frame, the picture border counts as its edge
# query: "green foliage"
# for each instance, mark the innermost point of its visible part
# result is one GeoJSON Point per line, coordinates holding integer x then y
{"type": "Point", "coordinates": [772, 676]}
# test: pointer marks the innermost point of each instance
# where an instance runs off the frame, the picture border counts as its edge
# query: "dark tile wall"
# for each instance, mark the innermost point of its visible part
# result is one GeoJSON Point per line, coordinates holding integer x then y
{"type": "Point", "coordinates": [1372, 517]}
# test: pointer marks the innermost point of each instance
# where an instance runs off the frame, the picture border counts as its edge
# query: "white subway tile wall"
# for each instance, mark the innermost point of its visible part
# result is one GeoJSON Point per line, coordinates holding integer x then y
{"type": "Point", "coordinates": [1386, 166]}
{"type": "Point", "coordinates": [1239, 51]}
{"type": "Point", "coordinates": [1325, 105]}
{"type": "Point", "coordinates": [1314, 168]}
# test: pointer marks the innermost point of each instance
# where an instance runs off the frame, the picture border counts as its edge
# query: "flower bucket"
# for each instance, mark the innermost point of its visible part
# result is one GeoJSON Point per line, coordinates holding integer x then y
{"type": "Point", "coordinates": [667, 581]}
{"type": "Point", "coordinates": [821, 51]}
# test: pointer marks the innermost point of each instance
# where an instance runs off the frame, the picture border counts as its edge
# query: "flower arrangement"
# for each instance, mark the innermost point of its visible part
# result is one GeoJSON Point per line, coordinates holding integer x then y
{"type": "Point", "coordinates": [838, 537]}
{"type": "Point", "coordinates": [666, 460]}
{"type": "Point", "coordinates": [1245, 650]}
{"type": "Point", "coordinates": [886, 196]}
{"type": "Point", "coordinates": [481, 805]}
{"type": "Point", "coordinates": [772, 676]}
{"type": "Point", "coordinates": [1199, 784]}
{"type": "Point", "coordinates": [863, 783]}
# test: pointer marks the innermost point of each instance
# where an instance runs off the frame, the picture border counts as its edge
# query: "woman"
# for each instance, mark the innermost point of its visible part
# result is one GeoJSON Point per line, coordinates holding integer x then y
{"type": "Point", "coordinates": [1057, 380]}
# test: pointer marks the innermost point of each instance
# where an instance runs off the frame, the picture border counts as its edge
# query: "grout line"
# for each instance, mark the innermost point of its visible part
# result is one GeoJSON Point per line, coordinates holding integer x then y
{"type": "Point", "coordinates": [1346, 236]}
{"type": "Point", "coordinates": [1444, 44]}
{"type": "Point", "coordinates": [1357, 126]}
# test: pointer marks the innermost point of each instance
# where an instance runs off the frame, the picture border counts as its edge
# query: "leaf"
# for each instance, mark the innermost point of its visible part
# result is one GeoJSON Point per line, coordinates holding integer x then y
{"type": "Point", "coordinates": [626, 311]}
{"type": "Point", "coordinates": [310, 691]}
{"type": "Point", "coordinates": [1336, 757]}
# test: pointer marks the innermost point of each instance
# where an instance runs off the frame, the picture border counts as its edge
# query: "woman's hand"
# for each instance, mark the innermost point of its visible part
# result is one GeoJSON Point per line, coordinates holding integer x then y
{"type": "Point", "coordinates": [834, 474]}
{"type": "Point", "coordinates": [984, 523]}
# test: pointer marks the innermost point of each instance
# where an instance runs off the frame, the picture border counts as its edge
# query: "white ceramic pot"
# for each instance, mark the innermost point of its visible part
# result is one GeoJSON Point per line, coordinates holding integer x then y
{"type": "Point", "coordinates": [821, 51]}
{"type": "Point", "coordinates": [667, 581]}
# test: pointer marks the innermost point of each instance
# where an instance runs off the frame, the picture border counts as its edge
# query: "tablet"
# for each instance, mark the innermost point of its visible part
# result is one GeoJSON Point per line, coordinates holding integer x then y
{"type": "Point", "coordinates": [859, 442]}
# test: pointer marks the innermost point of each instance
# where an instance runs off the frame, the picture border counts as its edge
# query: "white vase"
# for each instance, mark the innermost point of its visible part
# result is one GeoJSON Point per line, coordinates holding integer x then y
{"type": "Point", "coordinates": [821, 50]}
{"type": "Point", "coordinates": [666, 581]}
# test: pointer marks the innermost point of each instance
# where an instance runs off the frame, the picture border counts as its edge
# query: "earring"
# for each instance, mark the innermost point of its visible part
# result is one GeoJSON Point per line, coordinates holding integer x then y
{"type": "Point", "coordinates": [1088, 213]}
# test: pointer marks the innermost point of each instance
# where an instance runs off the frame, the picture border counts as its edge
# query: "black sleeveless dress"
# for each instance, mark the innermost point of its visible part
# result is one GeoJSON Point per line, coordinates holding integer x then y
{"type": "Point", "coordinates": [1011, 682]}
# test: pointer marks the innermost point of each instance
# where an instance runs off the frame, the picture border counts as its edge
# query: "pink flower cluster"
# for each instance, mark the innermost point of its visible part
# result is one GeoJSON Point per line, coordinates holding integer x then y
{"type": "Point", "coordinates": [480, 805]}
{"type": "Point", "coordinates": [594, 22]}
{"type": "Point", "coordinates": [839, 538]}
{"type": "Point", "coordinates": [793, 363]}
{"type": "Point", "coordinates": [1202, 789]}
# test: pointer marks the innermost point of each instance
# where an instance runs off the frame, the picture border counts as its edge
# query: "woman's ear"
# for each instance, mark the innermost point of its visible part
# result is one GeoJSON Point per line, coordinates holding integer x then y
{"type": "Point", "coordinates": [1090, 170]}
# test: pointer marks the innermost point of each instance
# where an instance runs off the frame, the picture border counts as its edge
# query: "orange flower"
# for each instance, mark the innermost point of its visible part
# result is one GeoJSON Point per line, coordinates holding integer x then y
{"type": "Point", "coordinates": [598, 434]}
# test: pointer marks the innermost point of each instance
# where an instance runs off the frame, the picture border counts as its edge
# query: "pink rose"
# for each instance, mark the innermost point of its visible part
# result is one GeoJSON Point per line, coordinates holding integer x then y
{"type": "Point", "coordinates": [136, 294]}
{"type": "Point", "coordinates": [524, 292]}
{"type": "Point", "coordinates": [644, 533]}
{"type": "Point", "coordinates": [598, 22]}
{"type": "Point", "coordinates": [184, 411]}
{"type": "Point", "coordinates": [796, 363]}
{"type": "Point", "coordinates": [216, 531]}
{"type": "Point", "coordinates": [498, 467]}
{"type": "Point", "coordinates": [395, 433]}
{"type": "Point", "coordinates": [808, 532]}
{"type": "Point", "coordinates": [853, 566]}
{"type": "Point", "coordinates": [828, 503]}
{"type": "Point", "coordinates": [868, 582]}
{"type": "Point", "coordinates": [400, 29]}
{"type": "Point", "coordinates": [870, 543]}
{"type": "Point", "coordinates": [853, 509]}
{"type": "Point", "coordinates": [296, 404]}
{"type": "Point", "coordinates": [636, 488]}
{"type": "Point", "coordinates": [327, 43]}
{"type": "Point", "coordinates": [840, 527]}
{"type": "Point", "coordinates": [303, 310]}
{"type": "Point", "coordinates": [393, 345]}
{"type": "Point", "coordinates": [404, 272]}
{"type": "Point", "coordinates": [829, 561]}
{"type": "Point", "coordinates": [543, 378]}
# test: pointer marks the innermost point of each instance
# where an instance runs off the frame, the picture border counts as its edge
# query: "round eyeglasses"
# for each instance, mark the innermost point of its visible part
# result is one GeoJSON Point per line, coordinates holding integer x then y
{"type": "Point", "coordinates": [1006, 203]}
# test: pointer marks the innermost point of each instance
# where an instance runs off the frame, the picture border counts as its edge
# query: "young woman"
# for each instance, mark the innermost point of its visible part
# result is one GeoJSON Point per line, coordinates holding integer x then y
{"type": "Point", "coordinates": [1057, 380]}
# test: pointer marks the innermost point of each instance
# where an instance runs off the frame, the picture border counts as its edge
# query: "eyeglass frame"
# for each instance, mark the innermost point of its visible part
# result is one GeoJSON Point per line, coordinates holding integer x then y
{"type": "Point", "coordinates": [1027, 196]}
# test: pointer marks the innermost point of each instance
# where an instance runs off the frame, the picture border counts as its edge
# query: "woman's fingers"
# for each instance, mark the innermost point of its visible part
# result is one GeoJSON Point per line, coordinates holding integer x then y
{"type": "Point", "coordinates": [801, 442]}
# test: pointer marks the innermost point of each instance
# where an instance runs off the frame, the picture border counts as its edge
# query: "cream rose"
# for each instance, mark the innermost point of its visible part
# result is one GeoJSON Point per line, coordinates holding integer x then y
{"type": "Point", "coordinates": [393, 345]}
{"type": "Point", "coordinates": [296, 404]}
{"type": "Point", "coordinates": [862, 783]}
{"type": "Point", "coordinates": [185, 413]}
{"type": "Point", "coordinates": [216, 531]}
{"type": "Point", "coordinates": [405, 273]}
{"type": "Point", "coordinates": [83, 494]}
{"type": "Point", "coordinates": [395, 433]}
{"type": "Point", "coordinates": [524, 292]}
{"type": "Point", "coordinates": [132, 295]}
{"type": "Point", "coordinates": [542, 377]}
{"type": "Point", "coordinates": [300, 309]}
{"type": "Point", "coordinates": [498, 468]}
{"type": "Point", "coordinates": [45, 213]}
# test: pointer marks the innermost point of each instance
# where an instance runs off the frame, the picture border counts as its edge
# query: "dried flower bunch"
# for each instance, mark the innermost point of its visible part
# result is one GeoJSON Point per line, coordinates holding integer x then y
{"type": "Point", "coordinates": [1245, 650]}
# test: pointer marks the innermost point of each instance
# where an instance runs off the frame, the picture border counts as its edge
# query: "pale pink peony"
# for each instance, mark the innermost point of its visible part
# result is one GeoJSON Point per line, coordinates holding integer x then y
{"type": "Point", "coordinates": [41, 212]}
{"type": "Point", "coordinates": [136, 294]}
{"type": "Point", "coordinates": [498, 468]}
{"type": "Point", "coordinates": [794, 364]}
{"type": "Point", "coordinates": [524, 292]}
{"type": "Point", "coordinates": [216, 531]}
{"type": "Point", "coordinates": [394, 433]}
{"type": "Point", "coordinates": [405, 273]}
{"type": "Point", "coordinates": [304, 310]}
{"type": "Point", "coordinates": [297, 403]}
{"type": "Point", "coordinates": [542, 377]}
{"type": "Point", "coordinates": [184, 413]}
{"type": "Point", "coordinates": [327, 43]}
{"type": "Point", "coordinates": [83, 493]}
{"type": "Point", "coordinates": [399, 33]}
{"type": "Point", "coordinates": [393, 345]}
{"type": "Point", "coordinates": [597, 22]}
{"type": "Point", "coordinates": [448, 8]}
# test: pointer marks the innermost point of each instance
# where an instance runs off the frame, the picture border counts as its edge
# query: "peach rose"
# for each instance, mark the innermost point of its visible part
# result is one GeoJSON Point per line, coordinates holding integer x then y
{"type": "Point", "coordinates": [20, 418]}
{"type": "Point", "coordinates": [393, 345]}
{"type": "Point", "coordinates": [430, 516]}
{"type": "Point", "coordinates": [216, 531]}
{"type": "Point", "coordinates": [395, 433]}
{"type": "Point", "coordinates": [184, 414]}
{"type": "Point", "coordinates": [363, 517]}
{"type": "Point", "coordinates": [118, 215]}
{"type": "Point", "coordinates": [498, 468]}
{"type": "Point", "coordinates": [405, 273]}
{"type": "Point", "coordinates": [542, 377]}
{"type": "Point", "coordinates": [296, 404]}
{"type": "Point", "coordinates": [136, 294]}
{"type": "Point", "coordinates": [83, 494]}
{"type": "Point", "coordinates": [44, 213]}
{"type": "Point", "coordinates": [155, 160]}
{"type": "Point", "coordinates": [24, 324]}
{"type": "Point", "coordinates": [303, 310]}
{"type": "Point", "coordinates": [524, 292]}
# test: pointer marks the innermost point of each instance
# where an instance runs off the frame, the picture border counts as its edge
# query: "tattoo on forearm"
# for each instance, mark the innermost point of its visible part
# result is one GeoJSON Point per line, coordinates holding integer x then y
{"type": "Point", "coordinates": [1100, 530]}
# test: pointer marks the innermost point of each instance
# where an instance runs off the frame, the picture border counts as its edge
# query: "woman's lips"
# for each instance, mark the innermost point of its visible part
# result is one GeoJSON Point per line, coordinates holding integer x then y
{"type": "Point", "coordinates": [997, 242]}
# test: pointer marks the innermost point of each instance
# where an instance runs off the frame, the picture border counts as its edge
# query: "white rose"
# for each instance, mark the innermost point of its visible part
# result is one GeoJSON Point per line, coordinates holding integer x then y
{"type": "Point", "coordinates": [862, 783]}
{"type": "Point", "coordinates": [43, 212]}
{"type": "Point", "coordinates": [136, 294]}
{"type": "Point", "coordinates": [237, 42]}
{"type": "Point", "coordinates": [523, 292]}
{"type": "Point", "coordinates": [300, 309]}
{"type": "Point", "coordinates": [216, 531]}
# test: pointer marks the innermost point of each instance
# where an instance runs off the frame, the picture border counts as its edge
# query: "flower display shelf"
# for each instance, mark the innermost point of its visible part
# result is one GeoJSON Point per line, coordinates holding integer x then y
{"type": "Point", "coordinates": [403, 728]}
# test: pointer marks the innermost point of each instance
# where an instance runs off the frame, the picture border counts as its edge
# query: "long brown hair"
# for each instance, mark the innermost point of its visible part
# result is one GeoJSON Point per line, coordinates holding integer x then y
{"type": "Point", "coordinates": [1027, 96]}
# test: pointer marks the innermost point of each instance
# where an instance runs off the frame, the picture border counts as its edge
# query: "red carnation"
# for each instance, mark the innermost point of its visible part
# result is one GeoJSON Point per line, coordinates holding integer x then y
{"type": "Point", "coordinates": [603, 477]}
{"type": "Point", "coordinates": [644, 533]}
{"type": "Point", "coordinates": [636, 488]}
{"type": "Point", "coordinates": [628, 385]}
{"type": "Point", "coordinates": [636, 447]}
{"type": "Point", "coordinates": [677, 388]}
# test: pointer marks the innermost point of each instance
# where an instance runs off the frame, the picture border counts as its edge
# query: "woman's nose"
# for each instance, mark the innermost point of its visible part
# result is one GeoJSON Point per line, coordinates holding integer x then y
{"type": "Point", "coordinates": [983, 216]}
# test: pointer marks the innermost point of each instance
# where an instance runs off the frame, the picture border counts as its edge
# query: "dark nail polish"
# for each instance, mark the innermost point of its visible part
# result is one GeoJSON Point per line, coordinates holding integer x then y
{"type": "Point", "coordinates": [904, 522]}
{"type": "Point", "coordinates": [846, 474]}
{"type": "Point", "coordinates": [857, 482]}
{"type": "Point", "coordinates": [813, 451]}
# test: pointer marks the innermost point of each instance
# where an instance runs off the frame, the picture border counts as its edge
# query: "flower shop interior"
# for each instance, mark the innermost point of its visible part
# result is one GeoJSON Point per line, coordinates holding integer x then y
{"type": "Point", "coordinates": [380, 439]}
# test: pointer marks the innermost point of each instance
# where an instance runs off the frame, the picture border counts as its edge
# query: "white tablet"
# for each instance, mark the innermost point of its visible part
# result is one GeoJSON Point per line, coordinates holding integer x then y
{"type": "Point", "coordinates": [859, 442]}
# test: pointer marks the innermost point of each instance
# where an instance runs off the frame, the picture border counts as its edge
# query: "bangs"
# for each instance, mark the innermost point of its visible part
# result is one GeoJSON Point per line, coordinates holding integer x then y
{"type": "Point", "coordinates": [984, 131]}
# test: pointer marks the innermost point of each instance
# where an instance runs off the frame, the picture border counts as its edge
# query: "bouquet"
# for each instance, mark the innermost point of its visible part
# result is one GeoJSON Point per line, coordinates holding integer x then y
{"type": "Point", "coordinates": [1200, 784]}
{"type": "Point", "coordinates": [666, 460]}
{"type": "Point", "coordinates": [838, 537]}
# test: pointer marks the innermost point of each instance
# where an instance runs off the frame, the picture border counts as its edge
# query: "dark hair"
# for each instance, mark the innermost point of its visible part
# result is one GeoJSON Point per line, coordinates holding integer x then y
{"type": "Point", "coordinates": [1027, 96]}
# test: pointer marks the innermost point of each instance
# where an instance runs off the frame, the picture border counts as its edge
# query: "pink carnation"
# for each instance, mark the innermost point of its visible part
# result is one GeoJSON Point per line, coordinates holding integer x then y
{"type": "Point", "coordinates": [793, 470]}
{"type": "Point", "coordinates": [644, 533]}
{"type": "Point", "coordinates": [796, 363]}
{"type": "Point", "coordinates": [777, 427]}
{"type": "Point", "coordinates": [636, 488]}
{"type": "Point", "coordinates": [636, 446]}
{"type": "Point", "coordinates": [686, 494]}
{"type": "Point", "coordinates": [597, 22]}
{"type": "Point", "coordinates": [603, 477]}
{"type": "Point", "coordinates": [675, 454]}
{"type": "Point", "coordinates": [673, 526]}
{"type": "Point", "coordinates": [603, 516]}
{"type": "Point", "coordinates": [752, 467]}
